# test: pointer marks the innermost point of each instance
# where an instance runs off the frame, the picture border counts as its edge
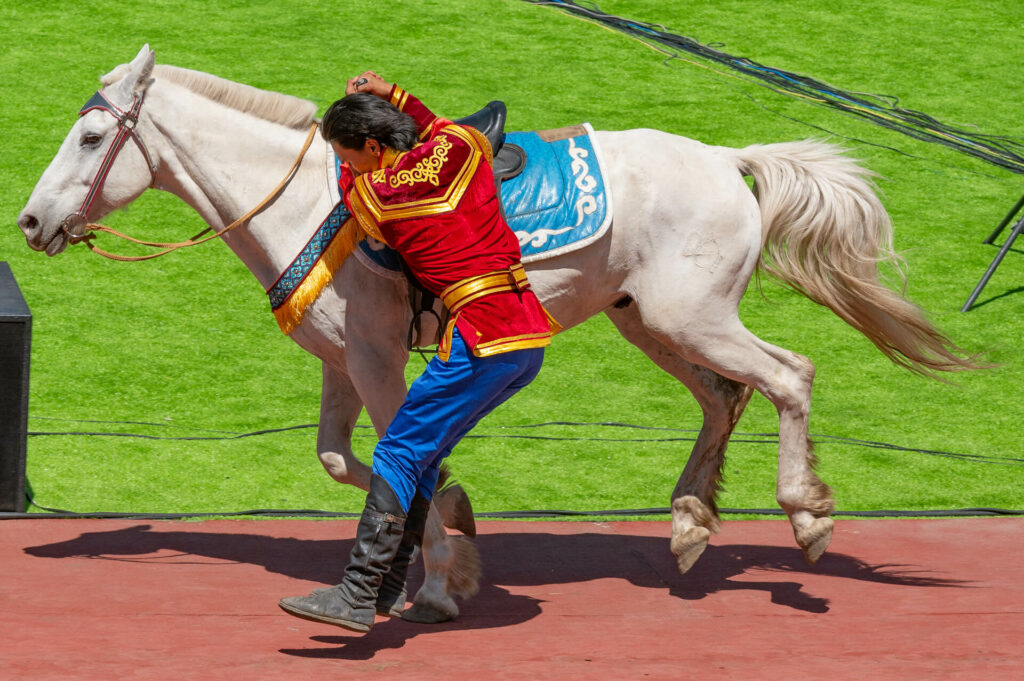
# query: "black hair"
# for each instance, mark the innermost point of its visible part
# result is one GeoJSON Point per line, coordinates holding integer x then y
{"type": "Point", "coordinates": [355, 118]}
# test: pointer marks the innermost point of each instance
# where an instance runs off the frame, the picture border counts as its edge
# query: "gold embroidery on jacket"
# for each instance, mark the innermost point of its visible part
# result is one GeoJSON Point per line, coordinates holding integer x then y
{"type": "Point", "coordinates": [372, 209]}
{"type": "Point", "coordinates": [427, 169]}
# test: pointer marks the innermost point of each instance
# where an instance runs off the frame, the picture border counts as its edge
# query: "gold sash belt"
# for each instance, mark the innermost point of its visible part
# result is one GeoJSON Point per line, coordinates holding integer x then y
{"type": "Point", "coordinates": [462, 293]}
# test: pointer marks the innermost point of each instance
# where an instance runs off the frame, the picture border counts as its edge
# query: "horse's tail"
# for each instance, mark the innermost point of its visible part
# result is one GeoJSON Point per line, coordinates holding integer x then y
{"type": "Point", "coordinates": [825, 233]}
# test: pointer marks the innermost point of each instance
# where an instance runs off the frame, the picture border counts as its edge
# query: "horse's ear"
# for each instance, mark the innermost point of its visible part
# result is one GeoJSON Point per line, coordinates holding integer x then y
{"type": "Point", "coordinates": [138, 76]}
{"type": "Point", "coordinates": [142, 69]}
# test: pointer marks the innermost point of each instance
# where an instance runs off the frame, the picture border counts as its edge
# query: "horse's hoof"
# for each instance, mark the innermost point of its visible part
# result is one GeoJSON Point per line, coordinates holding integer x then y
{"type": "Point", "coordinates": [425, 614]}
{"type": "Point", "coordinates": [688, 546]}
{"type": "Point", "coordinates": [815, 538]}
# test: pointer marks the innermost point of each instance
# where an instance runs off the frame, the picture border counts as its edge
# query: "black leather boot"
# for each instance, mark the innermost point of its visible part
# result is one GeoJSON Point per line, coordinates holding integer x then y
{"type": "Point", "coordinates": [392, 594]}
{"type": "Point", "coordinates": [352, 604]}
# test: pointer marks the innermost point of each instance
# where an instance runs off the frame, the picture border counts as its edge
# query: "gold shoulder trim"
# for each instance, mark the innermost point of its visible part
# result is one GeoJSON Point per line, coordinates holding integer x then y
{"type": "Point", "coordinates": [380, 211]}
{"type": "Point", "coordinates": [483, 143]}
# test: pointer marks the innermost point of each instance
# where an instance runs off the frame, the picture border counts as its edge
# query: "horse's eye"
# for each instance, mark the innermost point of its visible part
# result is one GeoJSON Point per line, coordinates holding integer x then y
{"type": "Point", "coordinates": [91, 139]}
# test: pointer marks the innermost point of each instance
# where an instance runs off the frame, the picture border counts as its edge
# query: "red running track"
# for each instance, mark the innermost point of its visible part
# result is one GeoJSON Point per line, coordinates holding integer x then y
{"type": "Point", "coordinates": [893, 599]}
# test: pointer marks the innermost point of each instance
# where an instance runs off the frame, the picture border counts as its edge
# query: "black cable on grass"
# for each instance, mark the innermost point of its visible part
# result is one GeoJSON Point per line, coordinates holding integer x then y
{"type": "Point", "coordinates": [752, 438]}
{"type": "Point", "coordinates": [56, 514]}
{"type": "Point", "coordinates": [183, 438]}
{"type": "Point", "coordinates": [883, 110]}
{"type": "Point", "coordinates": [739, 438]}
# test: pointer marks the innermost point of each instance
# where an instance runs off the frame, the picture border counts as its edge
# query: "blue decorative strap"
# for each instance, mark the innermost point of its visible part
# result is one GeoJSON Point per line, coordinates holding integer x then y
{"type": "Point", "coordinates": [295, 273]}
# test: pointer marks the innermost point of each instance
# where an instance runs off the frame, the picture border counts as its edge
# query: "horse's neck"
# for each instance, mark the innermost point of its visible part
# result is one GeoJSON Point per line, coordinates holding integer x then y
{"type": "Point", "coordinates": [223, 163]}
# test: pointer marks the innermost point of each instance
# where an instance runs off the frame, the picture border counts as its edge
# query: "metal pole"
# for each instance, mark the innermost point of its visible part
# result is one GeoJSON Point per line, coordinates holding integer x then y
{"type": "Point", "coordinates": [1009, 216]}
{"type": "Point", "coordinates": [995, 263]}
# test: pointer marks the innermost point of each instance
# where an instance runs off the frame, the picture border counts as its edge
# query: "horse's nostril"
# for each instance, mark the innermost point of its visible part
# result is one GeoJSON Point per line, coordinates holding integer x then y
{"type": "Point", "coordinates": [28, 223]}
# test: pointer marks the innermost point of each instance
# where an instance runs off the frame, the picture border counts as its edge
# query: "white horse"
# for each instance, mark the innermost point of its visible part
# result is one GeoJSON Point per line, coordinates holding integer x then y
{"type": "Point", "coordinates": [687, 235]}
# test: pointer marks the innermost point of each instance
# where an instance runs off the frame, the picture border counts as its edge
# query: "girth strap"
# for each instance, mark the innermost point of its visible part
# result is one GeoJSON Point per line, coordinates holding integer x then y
{"type": "Point", "coordinates": [421, 300]}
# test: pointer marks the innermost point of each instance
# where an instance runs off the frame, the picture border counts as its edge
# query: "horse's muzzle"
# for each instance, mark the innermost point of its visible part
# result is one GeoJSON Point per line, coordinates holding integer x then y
{"type": "Point", "coordinates": [35, 234]}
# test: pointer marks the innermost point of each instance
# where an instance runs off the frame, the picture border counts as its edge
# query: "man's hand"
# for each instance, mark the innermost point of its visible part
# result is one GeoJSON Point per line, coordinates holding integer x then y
{"type": "Point", "coordinates": [369, 82]}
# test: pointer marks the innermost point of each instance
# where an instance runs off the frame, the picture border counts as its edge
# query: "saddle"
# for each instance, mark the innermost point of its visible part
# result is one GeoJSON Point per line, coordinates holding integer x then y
{"type": "Point", "coordinates": [509, 159]}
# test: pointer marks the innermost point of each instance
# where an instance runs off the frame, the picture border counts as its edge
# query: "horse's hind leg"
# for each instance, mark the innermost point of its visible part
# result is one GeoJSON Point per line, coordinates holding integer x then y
{"type": "Point", "coordinates": [703, 334]}
{"type": "Point", "coordinates": [694, 507]}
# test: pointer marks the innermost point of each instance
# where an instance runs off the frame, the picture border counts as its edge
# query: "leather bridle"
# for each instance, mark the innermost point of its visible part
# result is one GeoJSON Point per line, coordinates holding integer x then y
{"type": "Point", "coordinates": [126, 124]}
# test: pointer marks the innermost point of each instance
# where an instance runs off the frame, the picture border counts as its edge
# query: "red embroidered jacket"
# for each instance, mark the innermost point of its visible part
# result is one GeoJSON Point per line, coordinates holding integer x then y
{"type": "Point", "coordinates": [437, 206]}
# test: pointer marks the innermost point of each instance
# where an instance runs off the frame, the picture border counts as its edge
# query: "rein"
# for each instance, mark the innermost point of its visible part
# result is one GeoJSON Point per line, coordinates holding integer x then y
{"type": "Point", "coordinates": [127, 120]}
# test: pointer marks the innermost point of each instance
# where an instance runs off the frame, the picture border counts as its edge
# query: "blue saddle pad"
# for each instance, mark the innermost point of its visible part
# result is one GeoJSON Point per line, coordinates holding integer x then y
{"type": "Point", "coordinates": [557, 204]}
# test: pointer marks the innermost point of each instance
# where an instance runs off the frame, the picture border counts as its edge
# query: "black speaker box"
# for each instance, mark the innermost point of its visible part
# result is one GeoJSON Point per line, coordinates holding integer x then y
{"type": "Point", "coordinates": [15, 343]}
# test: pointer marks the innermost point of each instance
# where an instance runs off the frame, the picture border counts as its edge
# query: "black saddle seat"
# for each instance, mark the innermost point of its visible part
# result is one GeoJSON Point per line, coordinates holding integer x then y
{"type": "Point", "coordinates": [509, 159]}
{"type": "Point", "coordinates": [490, 121]}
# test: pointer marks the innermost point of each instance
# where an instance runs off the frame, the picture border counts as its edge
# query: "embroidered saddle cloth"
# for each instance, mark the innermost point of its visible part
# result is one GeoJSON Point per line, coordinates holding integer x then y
{"type": "Point", "coordinates": [558, 204]}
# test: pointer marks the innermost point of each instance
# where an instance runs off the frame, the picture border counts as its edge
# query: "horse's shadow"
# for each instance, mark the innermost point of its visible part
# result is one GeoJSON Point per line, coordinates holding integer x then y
{"type": "Point", "coordinates": [512, 559]}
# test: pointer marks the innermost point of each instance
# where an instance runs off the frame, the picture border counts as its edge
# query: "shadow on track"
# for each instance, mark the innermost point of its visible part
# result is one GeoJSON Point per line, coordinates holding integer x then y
{"type": "Point", "coordinates": [509, 560]}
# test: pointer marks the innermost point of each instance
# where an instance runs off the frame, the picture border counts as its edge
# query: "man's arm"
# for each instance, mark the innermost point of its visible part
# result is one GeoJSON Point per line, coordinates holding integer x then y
{"type": "Point", "coordinates": [370, 82]}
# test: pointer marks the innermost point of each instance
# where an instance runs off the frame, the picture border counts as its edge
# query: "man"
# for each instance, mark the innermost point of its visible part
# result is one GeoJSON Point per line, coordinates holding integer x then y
{"type": "Point", "coordinates": [424, 186]}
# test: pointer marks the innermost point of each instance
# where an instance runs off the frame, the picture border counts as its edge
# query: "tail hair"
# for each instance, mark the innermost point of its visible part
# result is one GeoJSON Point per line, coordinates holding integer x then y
{"type": "Point", "coordinates": [826, 235]}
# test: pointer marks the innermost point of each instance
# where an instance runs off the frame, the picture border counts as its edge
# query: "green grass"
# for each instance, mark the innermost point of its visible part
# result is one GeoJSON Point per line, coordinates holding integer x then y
{"type": "Point", "coordinates": [188, 341]}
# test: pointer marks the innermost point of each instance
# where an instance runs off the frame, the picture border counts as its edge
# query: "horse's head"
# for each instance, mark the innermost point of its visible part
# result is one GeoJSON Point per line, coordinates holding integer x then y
{"type": "Point", "coordinates": [128, 541]}
{"type": "Point", "coordinates": [82, 182]}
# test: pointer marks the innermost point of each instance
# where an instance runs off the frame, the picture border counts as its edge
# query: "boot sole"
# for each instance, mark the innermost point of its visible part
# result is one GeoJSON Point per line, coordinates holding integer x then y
{"type": "Point", "coordinates": [345, 624]}
{"type": "Point", "coordinates": [392, 613]}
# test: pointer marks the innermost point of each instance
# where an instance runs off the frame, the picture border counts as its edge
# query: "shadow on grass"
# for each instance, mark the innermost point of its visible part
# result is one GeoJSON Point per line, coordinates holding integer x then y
{"type": "Point", "coordinates": [1005, 294]}
{"type": "Point", "coordinates": [509, 559]}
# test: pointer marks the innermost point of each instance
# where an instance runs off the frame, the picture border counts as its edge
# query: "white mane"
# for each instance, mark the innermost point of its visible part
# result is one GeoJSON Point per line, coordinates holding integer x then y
{"type": "Point", "coordinates": [272, 106]}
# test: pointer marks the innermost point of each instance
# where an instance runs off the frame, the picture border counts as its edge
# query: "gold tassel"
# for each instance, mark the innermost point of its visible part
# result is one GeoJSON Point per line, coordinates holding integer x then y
{"type": "Point", "coordinates": [290, 314]}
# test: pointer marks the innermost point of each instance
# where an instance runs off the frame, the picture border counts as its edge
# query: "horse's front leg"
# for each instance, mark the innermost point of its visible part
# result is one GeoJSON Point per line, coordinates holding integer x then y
{"type": "Point", "coordinates": [339, 408]}
{"type": "Point", "coordinates": [451, 567]}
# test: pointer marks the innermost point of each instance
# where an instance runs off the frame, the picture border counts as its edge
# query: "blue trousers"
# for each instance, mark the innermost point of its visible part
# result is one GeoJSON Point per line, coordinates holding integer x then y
{"type": "Point", "coordinates": [444, 404]}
